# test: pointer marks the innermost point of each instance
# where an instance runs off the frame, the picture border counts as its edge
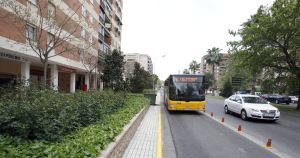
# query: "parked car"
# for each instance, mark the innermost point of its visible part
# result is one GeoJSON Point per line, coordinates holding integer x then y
{"type": "Point", "coordinates": [294, 99]}
{"type": "Point", "coordinates": [278, 99]}
{"type": "Point", "coordinates": [251, 106]}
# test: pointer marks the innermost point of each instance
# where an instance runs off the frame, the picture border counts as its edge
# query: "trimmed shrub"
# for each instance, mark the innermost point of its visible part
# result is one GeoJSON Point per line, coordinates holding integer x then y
{"type": "Point", "coordinates": [48, 115]}
{"type": "Point", "coordinates": [87, 141]}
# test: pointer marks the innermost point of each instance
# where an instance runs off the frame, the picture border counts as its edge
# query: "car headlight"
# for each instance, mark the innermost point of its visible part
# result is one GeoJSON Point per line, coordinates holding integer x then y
{"type": "Point", "coordinates": [277, 111]}
{"type": "Point", "coordinates": [255, 110]}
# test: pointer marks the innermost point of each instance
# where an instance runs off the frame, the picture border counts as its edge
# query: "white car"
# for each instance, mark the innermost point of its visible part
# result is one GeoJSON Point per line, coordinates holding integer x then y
{"type": "Point", "coordinates": [294, 99]}
{"type": "Point", "coordinates": [251, 106]}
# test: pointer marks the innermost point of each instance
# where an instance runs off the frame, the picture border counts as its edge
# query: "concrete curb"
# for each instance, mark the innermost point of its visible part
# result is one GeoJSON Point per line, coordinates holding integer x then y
{"type": "Point", "coordinates": [117, 148]}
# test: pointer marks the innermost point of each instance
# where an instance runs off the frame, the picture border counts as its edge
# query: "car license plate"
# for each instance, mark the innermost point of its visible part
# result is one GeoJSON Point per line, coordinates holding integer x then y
{"type": "Point", "coordinates": [269, 115]}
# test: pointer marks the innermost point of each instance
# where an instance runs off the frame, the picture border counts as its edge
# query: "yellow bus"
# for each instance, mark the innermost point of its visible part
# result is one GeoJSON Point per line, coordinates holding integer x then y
{"type": "Point", "coordinates": [185, 92]}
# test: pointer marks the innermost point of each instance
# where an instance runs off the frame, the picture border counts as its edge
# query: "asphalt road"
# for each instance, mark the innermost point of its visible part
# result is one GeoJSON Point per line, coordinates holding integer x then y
{"type": "Point", "coordinates": [285, 133]}
{"type": "Point", "coordinates": [195, 135]}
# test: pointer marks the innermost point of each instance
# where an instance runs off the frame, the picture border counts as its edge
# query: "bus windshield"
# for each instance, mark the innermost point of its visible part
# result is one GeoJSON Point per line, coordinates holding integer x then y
{"type": "Point", "coordinates": [187, 88]}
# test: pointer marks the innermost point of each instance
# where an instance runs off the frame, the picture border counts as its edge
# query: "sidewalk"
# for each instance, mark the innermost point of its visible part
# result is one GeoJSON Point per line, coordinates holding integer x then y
{"type": "Point", "coordinates": [146, 143]}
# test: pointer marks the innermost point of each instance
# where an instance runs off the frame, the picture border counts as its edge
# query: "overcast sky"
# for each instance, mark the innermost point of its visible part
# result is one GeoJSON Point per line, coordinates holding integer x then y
{"type": "Point", "coordinates": [182, 30]}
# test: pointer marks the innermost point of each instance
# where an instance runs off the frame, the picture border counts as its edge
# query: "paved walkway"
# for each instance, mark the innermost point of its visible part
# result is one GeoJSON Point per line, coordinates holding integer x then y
{"type": "Point", "coordinates": [144, 142]}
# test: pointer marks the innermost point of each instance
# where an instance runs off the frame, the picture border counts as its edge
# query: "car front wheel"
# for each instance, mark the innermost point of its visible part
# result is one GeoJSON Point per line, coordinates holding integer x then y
{"type": "Point", "coordinates": [244, 115]}
{"type": "Point", "coordinates": [226, 110]}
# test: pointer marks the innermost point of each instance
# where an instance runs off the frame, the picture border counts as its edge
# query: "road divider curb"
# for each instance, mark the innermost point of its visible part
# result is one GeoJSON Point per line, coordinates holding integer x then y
{"type": "Point", "coordinates": [117, 148]}
{"type": "Point", "coordinates": [251, 138]}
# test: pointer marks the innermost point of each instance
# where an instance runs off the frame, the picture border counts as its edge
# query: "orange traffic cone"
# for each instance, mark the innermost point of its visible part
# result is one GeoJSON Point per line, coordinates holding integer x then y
{"type": "Point", "coordinates": [212, 114]}
{"type": "Point", "coordinates": [269, 144]}
{"type": "Point", "coordinates": [239, 128]}
{"type": "Point", "coordinates": [222, 120]}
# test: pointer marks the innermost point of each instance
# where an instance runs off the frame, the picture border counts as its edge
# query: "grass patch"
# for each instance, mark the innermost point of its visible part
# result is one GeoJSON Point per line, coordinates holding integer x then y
{"type": "Point", "coordinates": [287, 108]}
{"type": "Point", "coordinates": [215, 97]}
{"type": "Point", "coordinates": [87, 141]}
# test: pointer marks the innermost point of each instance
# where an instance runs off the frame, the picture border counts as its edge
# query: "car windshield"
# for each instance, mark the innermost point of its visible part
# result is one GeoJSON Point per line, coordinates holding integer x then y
{"type": "Point", "coordinates": [254, 100]}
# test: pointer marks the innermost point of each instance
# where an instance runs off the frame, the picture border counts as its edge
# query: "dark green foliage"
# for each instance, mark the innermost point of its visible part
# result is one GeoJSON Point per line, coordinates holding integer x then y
{"type": "Point", "coordinates": [140, 80]}
{"type": "Point", "coordinates": [270, 41]}
{"type": "Point", "coordinates": [208, 80]}
{"type": "Point", "coordinates": [227, 89]}
{"type": "Point", "coordinates": [194, 65]}
{"type": "Point", "coordinates": [113, 71]}
{"type": "Point", "coordinates": [84, 142]}
{"type": "Point", "coordinates": [50, 115]}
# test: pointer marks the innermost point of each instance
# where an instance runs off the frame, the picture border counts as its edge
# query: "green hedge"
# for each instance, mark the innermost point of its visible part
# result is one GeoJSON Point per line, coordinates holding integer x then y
{"type": "Point", "coordinates": [84, 142]}
{"type": "Point", "coordinates": [48, 115]}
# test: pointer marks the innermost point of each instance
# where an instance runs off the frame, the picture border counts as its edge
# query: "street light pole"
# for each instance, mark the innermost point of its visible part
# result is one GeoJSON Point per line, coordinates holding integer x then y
{"type": "Point", "coordinates": [153, 72]}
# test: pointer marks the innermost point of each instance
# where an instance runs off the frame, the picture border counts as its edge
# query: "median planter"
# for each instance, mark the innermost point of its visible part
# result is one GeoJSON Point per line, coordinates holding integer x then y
{"type": "Point", "coordinates": [151, 97]}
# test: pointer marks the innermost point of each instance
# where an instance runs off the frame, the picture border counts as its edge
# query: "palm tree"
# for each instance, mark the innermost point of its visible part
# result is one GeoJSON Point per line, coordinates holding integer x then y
{"type": "Point", "coordinates": [194, 66]}
{"type": "Point", "coordinates": [186, 71]}
{"type": "Point", "coordinates": [213, 58]}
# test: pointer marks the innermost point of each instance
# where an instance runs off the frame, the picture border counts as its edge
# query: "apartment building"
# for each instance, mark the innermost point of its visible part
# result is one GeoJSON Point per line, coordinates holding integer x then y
{"type": "Point", "coordinates": [74, 35]}
{"type": "Point", "coordinates": [110, 16]}
{"type": "Point", "coordinates": [143, 59]}
{"type": "Point", "coordinates": [219, 69]}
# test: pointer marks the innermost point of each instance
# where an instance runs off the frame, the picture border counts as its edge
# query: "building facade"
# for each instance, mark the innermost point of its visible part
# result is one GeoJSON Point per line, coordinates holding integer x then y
{"type": "Point", "coordinates": [143, 59]}
{"type": "Point", "coordinates": [219, 69]}
{"type": "Point", "coordinates": [70, 37]}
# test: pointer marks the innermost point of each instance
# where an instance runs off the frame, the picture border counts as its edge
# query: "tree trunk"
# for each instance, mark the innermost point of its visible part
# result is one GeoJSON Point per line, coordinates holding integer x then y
{"type": "Point", "coordinates": [253, 84]}
{"type": "Point", "coordinates": [45, 75]}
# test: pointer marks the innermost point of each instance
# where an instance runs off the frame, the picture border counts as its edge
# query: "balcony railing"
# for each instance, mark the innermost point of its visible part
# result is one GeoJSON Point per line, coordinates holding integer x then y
{"type": "Point", "coordinates": [101, 17]}
{"type": "Point", "coordinates": [101, 36]}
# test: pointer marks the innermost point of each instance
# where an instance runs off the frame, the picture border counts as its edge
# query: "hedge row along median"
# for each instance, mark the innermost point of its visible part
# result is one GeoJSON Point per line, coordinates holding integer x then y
{"type": "Point", "coordinates": [66, 128]}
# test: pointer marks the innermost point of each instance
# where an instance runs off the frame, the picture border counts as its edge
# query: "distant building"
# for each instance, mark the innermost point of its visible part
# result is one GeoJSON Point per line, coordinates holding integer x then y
{"type": "Point", "coordinates": [219, 69]}
{"type": "Point", "coordinates": [143, 59]}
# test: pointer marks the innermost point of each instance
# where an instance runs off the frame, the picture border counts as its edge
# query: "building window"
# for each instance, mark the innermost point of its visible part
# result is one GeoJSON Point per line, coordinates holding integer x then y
{"type": "Point", "coordinates": [81, 54]}
{"type": "Point", "coordinates": [50, 40]}
{"type": "Point", "coordinates": [82, 33]}
{"type": "Point", "coordinates": [83, 10]}
{"type": "Point", "coordinates": [31, 32]}
{"type": "Point", "coordinates": [51, 10]}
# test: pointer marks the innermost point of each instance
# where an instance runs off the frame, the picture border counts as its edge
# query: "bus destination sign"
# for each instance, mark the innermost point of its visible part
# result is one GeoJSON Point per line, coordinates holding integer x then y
{"type": "Point", "coordinates": [187, 79]}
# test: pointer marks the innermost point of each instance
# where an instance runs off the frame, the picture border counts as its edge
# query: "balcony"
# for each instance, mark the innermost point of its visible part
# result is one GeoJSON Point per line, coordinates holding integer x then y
{"type": "Point", "coordinates": [102, 5]}
{"type": "Point", "coordinates": [107, 40]}
{"type": "Point", "coordinates": [101, 17]}
{"type": "Point", "coordinates": [101, 57]}
{"type": "Point", "coordinates": [118, 20]}
{"type": "Point", "coordinates": [100, 36]}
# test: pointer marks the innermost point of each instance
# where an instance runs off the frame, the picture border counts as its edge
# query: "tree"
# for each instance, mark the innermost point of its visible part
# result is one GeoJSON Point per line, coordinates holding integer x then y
{"type": "Point", "coordinates": [46, 33]}
{"type": "Point", "coordinates": [194, 66]}
{"type": "Point", "coordinates": [90, 63]}
{"type": "Point", "coordinates": [227, 89]}
{"type": "Point", "coordinates": [274, 35]}
{"type": "Point", "coordinates": [186, 71]}
{"type": "Point", "coordinates": [113, 70]}
{"type": "Point", "coordinates": [213, 58]}
{"type": "Point", "coordinates": [208, 80]}
{"type": "Point", "coordinates": [140, 80]}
